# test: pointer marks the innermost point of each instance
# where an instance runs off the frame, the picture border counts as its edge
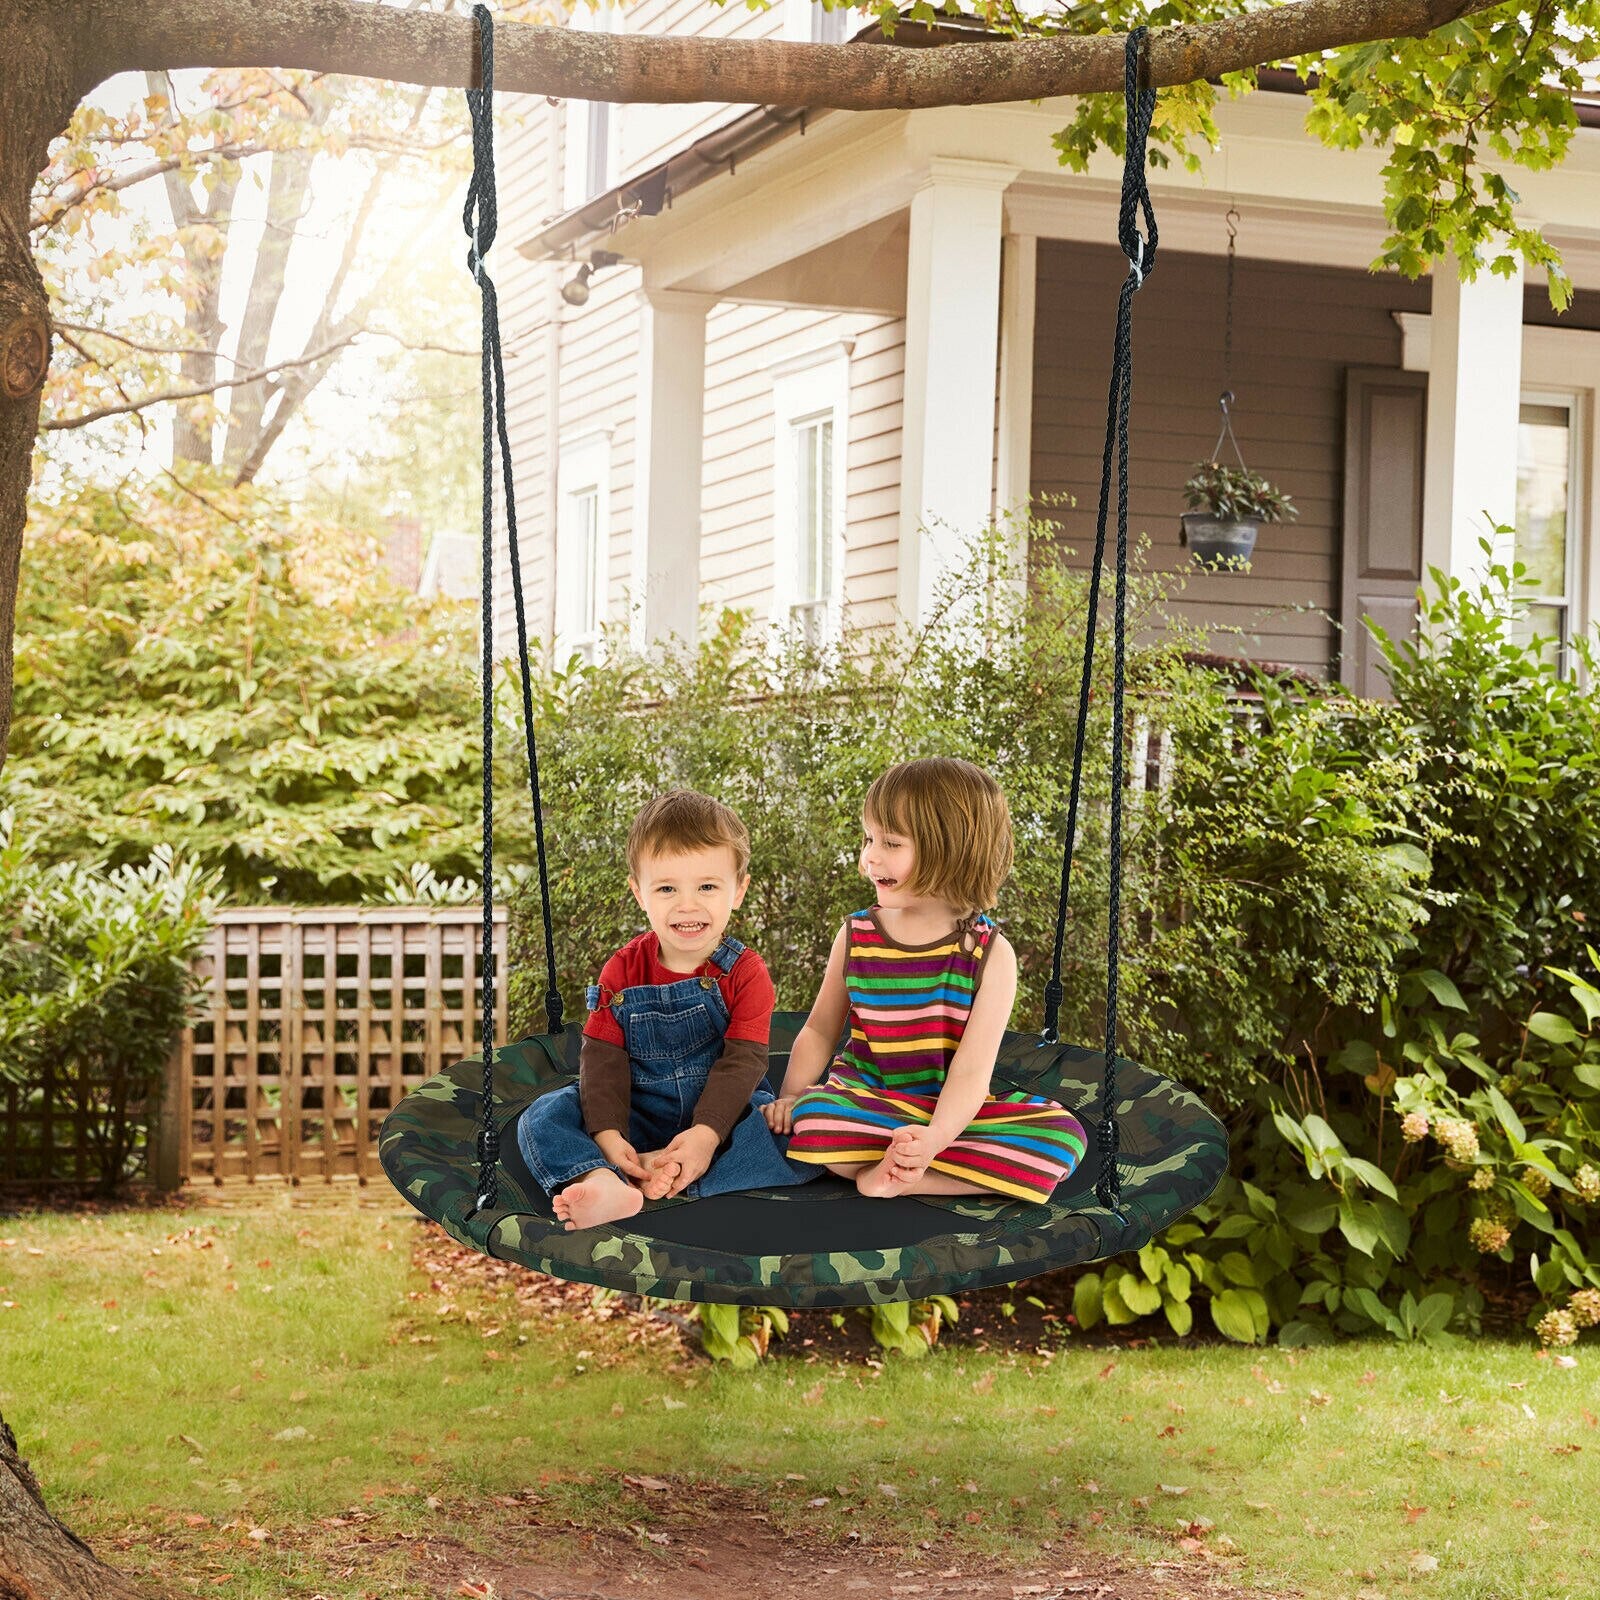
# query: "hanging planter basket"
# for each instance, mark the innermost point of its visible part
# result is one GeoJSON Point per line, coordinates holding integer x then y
{"type": "Point", "coordinates": [1227, 507]}
{"type": "Point", "coordinates": [1217, 543]}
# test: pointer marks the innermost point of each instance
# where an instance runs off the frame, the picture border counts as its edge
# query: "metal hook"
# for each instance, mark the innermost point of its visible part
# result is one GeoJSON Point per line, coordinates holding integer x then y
{"type": "Point", "coordinates": [1231, 217]}
{"type": "Point", "coordinates": [1136, 261]}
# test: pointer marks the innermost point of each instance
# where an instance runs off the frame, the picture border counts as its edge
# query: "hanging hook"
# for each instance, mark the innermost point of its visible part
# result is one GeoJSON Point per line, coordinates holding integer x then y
{"type": "Point", "coordinates": [1231, 218]}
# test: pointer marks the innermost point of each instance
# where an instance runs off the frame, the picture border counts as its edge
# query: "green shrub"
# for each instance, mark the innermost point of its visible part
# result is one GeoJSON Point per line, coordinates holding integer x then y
{"type": "Point", "coordinates": [96, 979]}
{"type": "Point", "coordinates": [1260, 879]}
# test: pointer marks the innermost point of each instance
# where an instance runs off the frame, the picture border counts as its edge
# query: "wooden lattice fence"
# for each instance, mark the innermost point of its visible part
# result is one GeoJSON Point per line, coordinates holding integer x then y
{"type": "Point", "coordinates": [317, 1021]}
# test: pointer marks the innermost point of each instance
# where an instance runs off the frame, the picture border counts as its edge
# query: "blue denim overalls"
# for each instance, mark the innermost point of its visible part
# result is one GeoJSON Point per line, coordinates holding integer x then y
{"type": "Point", "coordinates": [674, 1033]}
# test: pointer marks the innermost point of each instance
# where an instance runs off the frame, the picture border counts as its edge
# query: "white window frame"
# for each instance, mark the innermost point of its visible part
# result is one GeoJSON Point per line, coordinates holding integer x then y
{"type": "Point", "coordinates": [584, 469]}
{"type": "Point", "coordinates": [808, 389]}
{"type": "Point", "coordinates": [585, 171]}
{"type": "Point", "coordinates": [1571, 600]}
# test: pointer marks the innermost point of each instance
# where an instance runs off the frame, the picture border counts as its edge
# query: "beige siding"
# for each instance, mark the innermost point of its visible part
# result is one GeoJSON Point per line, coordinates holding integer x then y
{"type": "Point", "coordinates": [523, 176]}
{"type": "Point", "coordinates": [646, 134]}
{"type": "Point", "coordinates": [743, 343]}
{"type": "Point", "coordinates": [1296, 328]}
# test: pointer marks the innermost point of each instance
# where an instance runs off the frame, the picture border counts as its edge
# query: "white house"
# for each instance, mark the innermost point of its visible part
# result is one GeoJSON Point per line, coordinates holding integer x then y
{"type": "Point", "coordinates": [819, 348]}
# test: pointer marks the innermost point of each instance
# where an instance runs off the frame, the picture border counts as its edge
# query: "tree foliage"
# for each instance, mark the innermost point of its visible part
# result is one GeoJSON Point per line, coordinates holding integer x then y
{"type": "Point", "coordinates": [201, 665]}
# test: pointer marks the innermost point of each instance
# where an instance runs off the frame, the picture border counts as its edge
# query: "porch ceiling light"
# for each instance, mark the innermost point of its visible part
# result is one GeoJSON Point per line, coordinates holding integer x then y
{"type": "Point", "coordinates": [575, 291]}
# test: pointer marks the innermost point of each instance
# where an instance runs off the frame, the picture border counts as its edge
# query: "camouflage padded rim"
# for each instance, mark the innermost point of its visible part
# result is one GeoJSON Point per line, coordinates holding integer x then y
{"type": "Point", "coordinates": [1173, 1152]}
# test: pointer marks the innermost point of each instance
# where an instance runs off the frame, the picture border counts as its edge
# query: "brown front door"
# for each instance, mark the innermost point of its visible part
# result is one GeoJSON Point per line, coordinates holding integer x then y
{"type": "Point", "coordinates": [1385, 422]}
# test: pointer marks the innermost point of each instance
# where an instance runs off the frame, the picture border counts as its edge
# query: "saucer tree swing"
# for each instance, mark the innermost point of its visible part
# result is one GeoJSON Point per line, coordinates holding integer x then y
{"type": "Point", "coordinates": [450, 1145]}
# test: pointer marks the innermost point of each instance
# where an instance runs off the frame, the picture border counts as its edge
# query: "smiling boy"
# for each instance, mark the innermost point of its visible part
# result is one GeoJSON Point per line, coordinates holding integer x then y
{"type": "Point", "coordinates": [675, 1046]}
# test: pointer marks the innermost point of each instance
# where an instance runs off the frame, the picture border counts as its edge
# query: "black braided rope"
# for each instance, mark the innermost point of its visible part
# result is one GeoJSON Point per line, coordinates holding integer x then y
{"type": "Point", "coordinates": [1140, 250]}
{"type": "Point", "coordinates": [480, 220]}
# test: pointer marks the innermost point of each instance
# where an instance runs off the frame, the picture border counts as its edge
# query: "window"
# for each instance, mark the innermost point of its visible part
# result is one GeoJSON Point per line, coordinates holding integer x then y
{"type": "Point", "coordinates": [583, 496]}
{"type": "Point", "coordinates": [811, 414]}
{"type": "Point", "coordinates": [1546, 481]}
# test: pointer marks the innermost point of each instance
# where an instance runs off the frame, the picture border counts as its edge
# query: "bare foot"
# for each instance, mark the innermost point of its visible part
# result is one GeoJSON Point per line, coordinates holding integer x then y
{"type": "Point", "coordinates": [599, 1197]}
{"type": "Point", "coordinates": [879, 1181]}
{"type": "Point", "coordinates": [663, 1174]}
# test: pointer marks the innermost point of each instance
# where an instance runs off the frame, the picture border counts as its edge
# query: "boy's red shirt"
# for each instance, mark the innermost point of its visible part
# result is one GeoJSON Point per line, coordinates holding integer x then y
{"type": "Point", "coordinates": [747, 989]}
{"type": "Point", "coordinates": [604, 1076]}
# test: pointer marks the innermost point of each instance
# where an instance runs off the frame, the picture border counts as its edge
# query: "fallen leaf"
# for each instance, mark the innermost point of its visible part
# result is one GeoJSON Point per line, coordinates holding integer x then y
{"type": "Point", "coordinates": [1421, 1561]}
{"type": "Point", "coordinates": [1173, 1488]}
{"type": "Point", "coordinates": [642, 1482]}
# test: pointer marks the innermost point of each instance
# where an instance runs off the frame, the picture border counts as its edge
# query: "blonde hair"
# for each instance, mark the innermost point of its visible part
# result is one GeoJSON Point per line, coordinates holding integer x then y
{"type": "Point", "coordinates": [683, 820]}
{"type": "Point", "coordinates": [957, 820]}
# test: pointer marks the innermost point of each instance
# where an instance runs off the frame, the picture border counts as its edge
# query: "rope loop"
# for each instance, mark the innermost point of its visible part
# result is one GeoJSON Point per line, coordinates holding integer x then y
{"type": "Point", "coordinates": [479, 220]}
{"type": "Point", "coordinates": [1140, 249]}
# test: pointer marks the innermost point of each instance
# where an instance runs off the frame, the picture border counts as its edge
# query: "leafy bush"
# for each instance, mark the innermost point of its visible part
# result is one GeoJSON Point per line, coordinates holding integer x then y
{"type": "Point", "coordinates": [203, 667]}
{"type": "Point", "coordinates": [1255, 848]}
{"type": "Point", "coordinates": [96, 979]}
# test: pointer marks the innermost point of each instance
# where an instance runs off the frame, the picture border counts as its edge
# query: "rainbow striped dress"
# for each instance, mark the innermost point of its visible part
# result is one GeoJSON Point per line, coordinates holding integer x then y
{"type": "Point", "coordinates": [909, 1006]}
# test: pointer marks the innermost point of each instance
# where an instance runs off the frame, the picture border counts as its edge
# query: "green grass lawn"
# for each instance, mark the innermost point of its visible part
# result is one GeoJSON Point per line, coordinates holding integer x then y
{"type": "Point", "coordinates": [248, 1392]}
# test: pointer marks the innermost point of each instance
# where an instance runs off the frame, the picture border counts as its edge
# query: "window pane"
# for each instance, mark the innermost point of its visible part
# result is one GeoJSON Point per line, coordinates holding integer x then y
{"type": "Point", "coordinates": [1544, 455]}
{"type": "Point", "coordinates": [586, 529]}
{"type": "Point", "coordinates": [1548, 623]}
{"type": "Point", "coordinates": [825, 509]}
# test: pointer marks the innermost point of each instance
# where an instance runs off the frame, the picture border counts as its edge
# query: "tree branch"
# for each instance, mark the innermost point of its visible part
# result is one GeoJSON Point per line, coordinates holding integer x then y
{"type": "Point", "coordinates": [362, 39]}
{"type": "Point", "coordinates": [58, 424]}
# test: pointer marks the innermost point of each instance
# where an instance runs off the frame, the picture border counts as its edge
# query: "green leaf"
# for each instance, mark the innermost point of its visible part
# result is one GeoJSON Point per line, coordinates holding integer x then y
{"type": "Point", "coordinates": [1374, 1177]}
{"type": "Point", "coordinates": [1509, 1120]}
{"type": "Point", "coordinates": [1312, 1214]}
{"type": "Point", "coordinates": [1434, 1314]}
{"type": "Point", "coordinates": [1442, 989]}
{"type": "Point", "coordinates": [1232, 1314]}
{"type": "Point", "coordinates": [1297, 1334]}
{"type": "Point", "coordinates": [1358, 1222]}
{"type": "Point", "coordinates": [1180, 1316]}
{"type": "Point", "coordinates": [1139, 1295]}
{"type": "Point", "coordinates": [1552, 1028]}
{"type": "Point", "coordinates": [1086, 1300]}
{"type": "Point", "coordinates": [1239, 1268]}
{"type": "Point", "coordinates": [1117, 1310]}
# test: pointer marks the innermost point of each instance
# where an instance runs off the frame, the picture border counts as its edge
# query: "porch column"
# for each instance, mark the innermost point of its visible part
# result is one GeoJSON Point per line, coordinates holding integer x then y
{"type": "Point", "coordinates": [952, 349]}
{"type": "Point", "coordinates": [668, 437]}
{"type": "Point", "coordinates": [1474, 389]}
{"type": "Point", "coordinates": [1013, 484]}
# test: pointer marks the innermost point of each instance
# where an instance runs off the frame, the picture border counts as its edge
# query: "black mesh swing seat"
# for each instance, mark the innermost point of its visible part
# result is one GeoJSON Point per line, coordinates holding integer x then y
{"type": "Point", "coordinates": [1154, 1151]}
{"type": "Point", "coordinates": [818, 1243]}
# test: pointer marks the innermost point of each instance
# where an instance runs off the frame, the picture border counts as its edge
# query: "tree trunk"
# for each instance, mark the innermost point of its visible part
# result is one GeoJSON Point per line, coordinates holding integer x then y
{"type": "Point", "coordinates": [286, 205]}
{"type": "Point", "coordinates": [39, 1558]}
{"type": "Point", "coordinates": [37, 97]}
{"type": "Point", "coordinates": [192, 429]}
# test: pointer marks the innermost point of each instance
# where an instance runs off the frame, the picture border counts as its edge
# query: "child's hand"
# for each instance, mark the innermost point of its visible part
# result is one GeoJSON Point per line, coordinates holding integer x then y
{"type": "Point", "coordinates": [780, 1114]}
{"type": "Point", "coordinates": [621, 1154]}
{"type": "Point", "coordinates": [911, 1148]}
{"type": "Point", "coordinates": [692, 1151]}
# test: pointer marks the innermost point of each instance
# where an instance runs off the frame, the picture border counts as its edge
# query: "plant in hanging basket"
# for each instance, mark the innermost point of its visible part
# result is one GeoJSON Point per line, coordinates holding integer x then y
{"type": "Point", "coordinates": [1227, 507]}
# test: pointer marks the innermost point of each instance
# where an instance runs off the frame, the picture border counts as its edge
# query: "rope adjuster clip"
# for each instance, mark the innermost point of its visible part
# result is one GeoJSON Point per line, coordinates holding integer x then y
{"type": "Point", "coordinates": [1136, 261]}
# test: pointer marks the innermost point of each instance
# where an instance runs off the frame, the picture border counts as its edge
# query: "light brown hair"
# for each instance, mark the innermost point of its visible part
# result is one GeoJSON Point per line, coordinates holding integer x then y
{"type": "Point", "coordinates": [957, 820]}
{"type": "Point", "coordinates": [683, 820]}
